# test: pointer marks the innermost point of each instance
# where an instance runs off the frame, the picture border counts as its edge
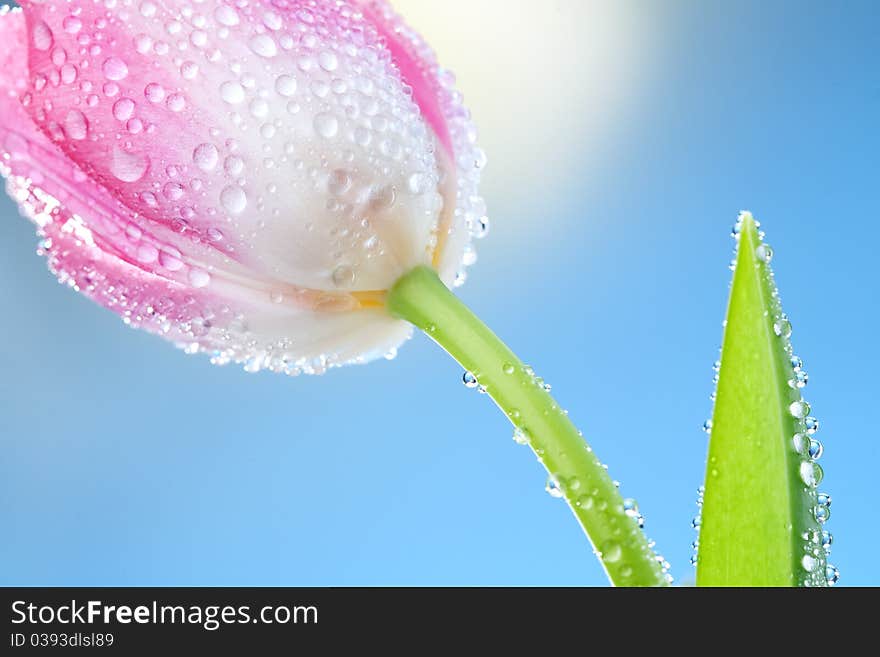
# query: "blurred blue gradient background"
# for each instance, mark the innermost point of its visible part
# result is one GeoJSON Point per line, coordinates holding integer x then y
{"type": "Point", "coordinates": [623, 138]}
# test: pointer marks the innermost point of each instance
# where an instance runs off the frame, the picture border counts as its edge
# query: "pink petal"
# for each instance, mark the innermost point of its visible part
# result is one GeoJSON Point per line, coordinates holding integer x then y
{"type": "Point", "coordinates": [417, 64]}
{"type": "Point", "coordinates": [291, 138]}
{"type": "Point", "coordinates": [239, 177]}
{"type": "Point", "coordinates": [459, 159]}
{"type": "Point", "coordinates": [153, 278]}
{"type": "Point", "coordinates": [126, 120]}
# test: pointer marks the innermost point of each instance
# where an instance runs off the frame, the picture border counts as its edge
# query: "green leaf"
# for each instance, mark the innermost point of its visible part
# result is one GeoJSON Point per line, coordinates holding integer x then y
{"type": "Point", "coordinates": [758, 523]}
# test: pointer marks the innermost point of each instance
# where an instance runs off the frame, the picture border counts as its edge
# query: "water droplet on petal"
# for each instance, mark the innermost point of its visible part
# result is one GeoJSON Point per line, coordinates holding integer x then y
{"type": "Point", "coordinates": [328, 61]}
{"type": "Point", "coordinates": [234, 199]}
{"type": "Point", "coordinates": [75, 125]}
{"type": "Point", "coordinates": [285, 85]}
{"type": "Point", "coordinates": [199, 278]}
{"type": "Point", "coordinates": [176, 103]}
{"type": "Point", "coordinates": [263, 45]}
{"type": "Point", "coordinates": [147, 253]}
{"type": "Point", "coordinates": [232, 92]}
{"type": "Point", "coordinates": [42, 36]}
{"type": "Point", "coordinates": [206, 156]}
{"type": "Point", "coordinates": [226, 15]}
{"type": "Point", "coordinates": [155, 93]}
{"type": "Point", "coordinates": [69, 73]}
{"type": "Point", "coordinates": [123, 109]}
{"type": "Point", "coordinates": [326, 125]}
{"type": "Point", "coordinates": [71, 24]}
{"type": "Point", "coordinates": [114, 69]}
{"type": "Point", "coordinates": [128, 167]}
{"type": "Point", "coordinates": [170, 261]}
{"type": "Point", "coordinates": [343, 276]}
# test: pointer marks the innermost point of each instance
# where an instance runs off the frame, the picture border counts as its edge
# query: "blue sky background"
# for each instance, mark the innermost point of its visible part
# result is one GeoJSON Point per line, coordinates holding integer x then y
{"type": "Point", "coordinates": [122, 461]}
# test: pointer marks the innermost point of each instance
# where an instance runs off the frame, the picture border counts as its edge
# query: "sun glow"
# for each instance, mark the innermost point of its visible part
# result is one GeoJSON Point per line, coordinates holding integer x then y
{"type": "Point", "coordinates": [545, 81]}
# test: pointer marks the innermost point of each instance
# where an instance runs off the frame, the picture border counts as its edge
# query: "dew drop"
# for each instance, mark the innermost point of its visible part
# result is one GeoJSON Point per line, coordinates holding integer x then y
{"type": "Point", "coordinates": [199, 278]}
{"type": "Point", "coordinates": [114, 69]}
{"type": "Point", "coordinates": [764, 253]}
{"type": "Point", "coordinates": [206, 156]}
{"type": "Point", "coordinates": [811, 473]}
{"type": "Point", "coordinates": [417, 184]}
{"type": "Point", "coordinates": [226, 15]}
{"type": "Point", "coordinates": [128, 167]}
{"type": "Point", "coordinates": [189, 70]}
{"type": "Point", "coordinates": [827, 540]}
{"type": "Point", "coordinates": [812, 424]}
{"type": "Point", "coordinates": [259, 108]}
{"type": "Point", "coordinates": [552, 487]}
{"type": "Point", "coordinates": [154, 93]}
{"type": "Point", "coordinates": [42, 36]}
{"type": "Point", "coordinates": [147, 254]}
{"type": "Point", "coordinates": [815, 449]}
{"type": "Point", "coordinates": [75, 125]}
{"type": "Point", "coordinates": [799, 409]}
{"type": "Point", "coordinates": [832, 575]}
{"type": "Point", "coordinates": [69, 73]}
{"type": "Point", "coordinates": [71, 24]}
{"type": "Point", "coordinates": [176, 103]}
{"type": "Point", "coordinates": [263, 45]}
{"type": "Point", "coordinates": [339, 182]}
{"type": "Point", "coordinates": [801, 443]}
{"type": "Point", "coordinates": [285, 85]}
{"type": "Point", "coordinates": [343, 276]}
{"type": "Point", "coordinates": [234, 199]}
{"type": "Point", "coordinates": [232, 92]}
{"type": "Point", "coordinates": [585, 502]}
{"type": "Point", "coordinates": [326, 125]}
{"type": "Point", "coordinates": [170, 261]}
{"type": "Point", "coordinates": [328, 61]}
{"type": "Point", "coordinates": [612, 553]}
{"type": "Point", "coordinates": [123, 109]}
{"type": "Point", "coordinates": [809, 563]}
{"type": "Point", "coordinates": [233, 165]}
{"type": "Point", "coordinates": [173, 191]}
{"type": "Point", "coordinates": [521, 436]}
{"type": "Point", "coordinates": [469, 380]}
{"type": "Point", "coordinates": [782, 328]}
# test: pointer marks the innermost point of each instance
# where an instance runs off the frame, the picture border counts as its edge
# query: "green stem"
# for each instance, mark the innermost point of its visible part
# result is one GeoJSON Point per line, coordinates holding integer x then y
{"type": "Point", "coordinates": [421, 298]}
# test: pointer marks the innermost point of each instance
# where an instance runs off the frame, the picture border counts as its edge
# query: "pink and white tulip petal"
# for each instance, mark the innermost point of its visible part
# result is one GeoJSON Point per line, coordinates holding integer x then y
{"type": "Point", "coordinates": [247, 178]}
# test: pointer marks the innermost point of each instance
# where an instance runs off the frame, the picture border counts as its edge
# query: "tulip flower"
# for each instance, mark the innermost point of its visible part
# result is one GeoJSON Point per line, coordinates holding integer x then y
{"type": "Point", "coordinates": [288, 184]}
